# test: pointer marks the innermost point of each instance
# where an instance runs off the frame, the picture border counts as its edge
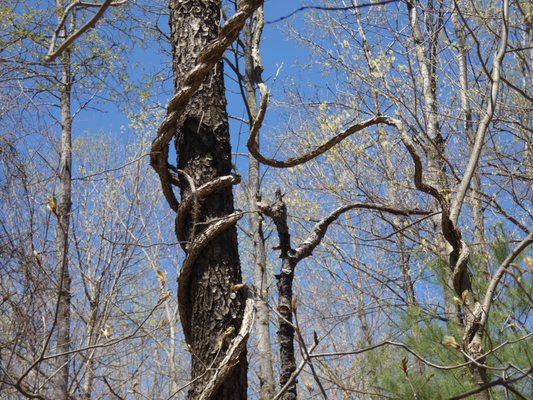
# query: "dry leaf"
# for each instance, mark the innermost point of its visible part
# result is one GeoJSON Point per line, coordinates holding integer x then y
{"type": "Point", "coordinates": [403, 366]}
{"type": "Point", "coordinates": [106, 332]}
{"type": "Point", "coordinates": [450, 342]}
{"type": "Point", "coordinates": [222, 338]}
{"type": "Point", "coordinates": [161, 275]}
{"type": "Point", "coordinates": [51, 204]}
{"type": "Point", "coordinates": [237, 287]}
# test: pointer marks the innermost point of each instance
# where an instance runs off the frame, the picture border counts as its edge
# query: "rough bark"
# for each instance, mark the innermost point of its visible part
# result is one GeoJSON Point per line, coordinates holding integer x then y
{"type": "Point", "coordinates": [277, 211]}
{"type": "Point", "coordinates": [63, 220]}
{"type": "Point", "coordinates": [203, 151]}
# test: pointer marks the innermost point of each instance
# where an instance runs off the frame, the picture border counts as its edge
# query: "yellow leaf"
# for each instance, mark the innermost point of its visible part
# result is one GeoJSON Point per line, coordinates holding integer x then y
{"type": "Point", "coordinates": [106, 332]}
{"type": "Point", "coordinates": [51, 204]}
{"type": "Point", "coordinates": [529, 263]}
{"type": "Point", "coordinates": [450, 342]}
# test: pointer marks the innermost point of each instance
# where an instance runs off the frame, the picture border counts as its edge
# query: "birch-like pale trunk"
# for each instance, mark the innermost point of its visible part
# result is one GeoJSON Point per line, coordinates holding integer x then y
{"type": "Point", "coordinates": [88, 383]}
{"type": "Point", "coordinates": [475, 198]}
{"type": "Point", "coordinates": [63, 220]}
{"type": "Point", "coordinates": [434, 143]}
{"type": "Point", "coordinates": [407, 282]}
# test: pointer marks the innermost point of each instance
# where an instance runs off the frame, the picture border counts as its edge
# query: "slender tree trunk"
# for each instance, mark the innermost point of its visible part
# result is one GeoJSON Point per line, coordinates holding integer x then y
{"type": "Point", "coordinates": [476, 204]}
{"type": "Point", "coordinates": [435, 145]}
{"type": "Point", "coordinates": [286, 329]}
{"type": "Point", "coordinates": [479, 374]}
{"type": "Point", "coordinates": [88, 384]}
{"type": "Point", "coordinates": [407, 282]}
{"type": "Point", "coordinates": [204, 153]}
{"type": "Point", "coordinates": [253, 69]}
{"type": "Point", "coordinates": [277, 211]}
{"type": "Point", "coordinates": [63, 220]}
{"type": "Point", "coordinates": [435, 151]}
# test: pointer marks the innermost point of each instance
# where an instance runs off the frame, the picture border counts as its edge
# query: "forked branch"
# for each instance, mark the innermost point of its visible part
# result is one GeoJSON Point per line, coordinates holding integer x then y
{"type": "Point", "coordinates": [54, 52]}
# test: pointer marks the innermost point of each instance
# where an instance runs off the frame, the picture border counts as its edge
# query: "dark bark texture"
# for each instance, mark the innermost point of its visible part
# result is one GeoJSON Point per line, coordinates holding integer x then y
{"type": "Point", "coordinates": [277, 211]}
{"type": "Point", "coordinates": [204, 153]}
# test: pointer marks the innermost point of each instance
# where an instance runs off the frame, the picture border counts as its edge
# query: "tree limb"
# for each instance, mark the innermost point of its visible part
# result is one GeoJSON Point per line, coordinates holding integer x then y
{"type": "Point", "coordinates": [53, 54]}
{"type": "Point", "coordinates": [320, 229]}
{"type": "Point", "coordinates": [487, 118]}
{"type": "Point", "coordinates": [487, 301]}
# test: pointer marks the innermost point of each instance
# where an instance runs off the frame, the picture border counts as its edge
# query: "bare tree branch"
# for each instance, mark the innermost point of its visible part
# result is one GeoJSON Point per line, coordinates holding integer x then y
{"type": "Point", "coordinates": [53, 53]}
{"type": "Point", "coordinates": [317, 151]}
{"type": "Point", "coordinates": [487, 118]}
{"type": "Point", "coordinates": [320, 229]}
{"type": "Point", "coordinates": [487, 301]}
{"type": "Point", "coordinates": [497, 382]}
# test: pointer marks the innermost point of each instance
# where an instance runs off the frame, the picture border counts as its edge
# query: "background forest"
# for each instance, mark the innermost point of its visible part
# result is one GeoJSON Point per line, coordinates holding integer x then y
{"type": "Point", "coordinates": [378, 183]}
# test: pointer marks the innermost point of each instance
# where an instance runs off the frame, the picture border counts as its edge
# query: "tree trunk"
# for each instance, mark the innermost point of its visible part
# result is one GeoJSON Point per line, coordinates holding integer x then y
{"type": "Point", "coordinates": [435, 145]}
{"type": "Point", "coordinates": [204, 153]}
{"type": "Point", "coordinates": [88, 384]}
{"type": "Point", "coordinates": [277, 211]}
{"type": "Point", "coordinates": [63, 219]}
{"type": "Point", "coordinates": [253, 69]}
{"type": "Point", "coordinates": [445, 228]}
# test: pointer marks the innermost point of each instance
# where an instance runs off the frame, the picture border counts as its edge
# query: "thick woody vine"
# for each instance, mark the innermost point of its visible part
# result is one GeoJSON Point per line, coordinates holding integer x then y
{"type": "Point", "coordinates": [170, 177]}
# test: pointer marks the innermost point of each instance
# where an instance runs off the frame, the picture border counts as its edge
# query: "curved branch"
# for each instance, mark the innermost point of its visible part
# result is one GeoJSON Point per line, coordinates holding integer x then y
{"type": "Point", "coordinates": [487, 301]}
{"type": "Point", "coordinates": [449, 229]}
{"type": "Point", "coordinates": [497, 382]}
{"type": "Point", "coordinates": [320, 229]}
{"type": "Point", "coordinates": [200, 193]}
{"type": "Point", "coordinates": [487, 118]}
{"type": "Point", "coordinates": [317, 151]}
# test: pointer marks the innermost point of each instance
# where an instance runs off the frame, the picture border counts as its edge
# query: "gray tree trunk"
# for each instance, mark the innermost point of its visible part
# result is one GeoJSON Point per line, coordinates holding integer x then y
{"type": "Point", "coordinates": [63, 220]}
{"type": "Point", "coordinates": [253, 69]}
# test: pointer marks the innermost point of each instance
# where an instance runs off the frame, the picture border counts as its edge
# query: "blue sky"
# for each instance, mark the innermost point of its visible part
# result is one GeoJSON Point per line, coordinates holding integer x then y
{"type": "Point", "coordinates": [278, 51]}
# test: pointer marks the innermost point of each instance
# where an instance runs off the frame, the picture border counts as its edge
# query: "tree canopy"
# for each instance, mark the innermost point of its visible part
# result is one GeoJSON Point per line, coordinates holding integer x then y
{"type": "Point", "coordinates": [237, 199]}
